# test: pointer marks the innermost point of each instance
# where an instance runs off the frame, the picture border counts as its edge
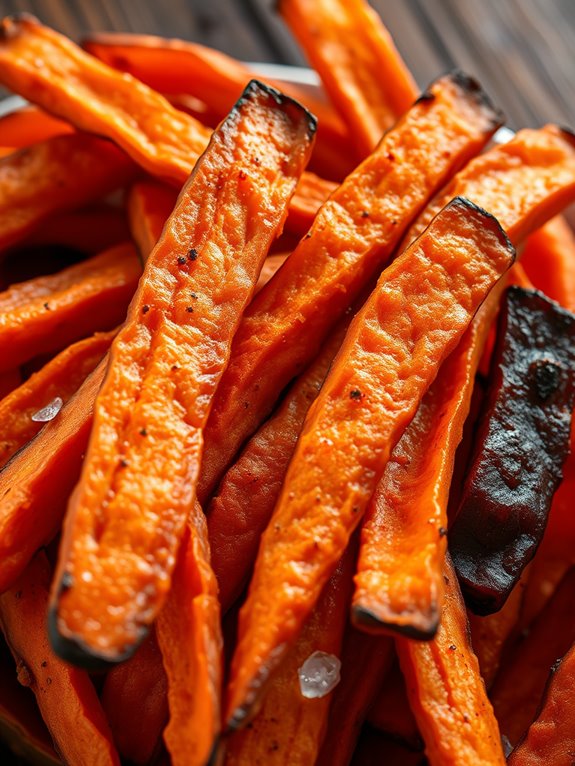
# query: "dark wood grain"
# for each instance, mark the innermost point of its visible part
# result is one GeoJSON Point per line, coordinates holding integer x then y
{"type": "Point", "coordinates": [521, 50]}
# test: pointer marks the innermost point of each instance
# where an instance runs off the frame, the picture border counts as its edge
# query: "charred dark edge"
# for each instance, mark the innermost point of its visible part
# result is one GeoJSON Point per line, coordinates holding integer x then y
{"type": "Point", "coordinates": [363, 617]}
{"type": "Point", "coordinates": [76, 652]}
{"type": "Point", "coordinates": [10, 25]}
{"type": "Point", "coordinates": [484, 605]}
{"type": "Point", "coordinates": [464, 202]}
{"type": "Point", "coordinates": [214, 756]}
{"type": "Point", "coordinates": [473, 88]}
{"type": "Point", "coordinates": [254, 87]}
{"type": "Point", "coordinates": [425, 96]}
{"type": "Point", "coordinates": [520, 293]}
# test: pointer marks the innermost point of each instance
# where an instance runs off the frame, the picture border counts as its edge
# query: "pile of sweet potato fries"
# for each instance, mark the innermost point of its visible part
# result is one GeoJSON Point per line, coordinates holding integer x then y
{"type": "Point", "coordinates": [246, 407]}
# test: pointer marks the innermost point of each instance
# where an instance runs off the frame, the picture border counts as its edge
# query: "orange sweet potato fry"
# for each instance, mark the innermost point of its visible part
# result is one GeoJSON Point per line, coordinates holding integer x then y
{"type": "Point", "coordinates": [289, 728]}
{"type": "Point", "coordinates": [549, 260]}
{"type": "Point", "coordinates": [520, 683]}
{"type": "Point", "coordinates": [217, 80]}
{"type": "Point", "coordinates": [399, 581]}
{"type": "Point", "coordinates": [36, 483]}
{"type": "Point", "coordinates": [149, 205]}
{"type": "Point", "coordinates": [446, 691]}
{"type": "Point", "coordinates": [361, 70]}
{"type": "Point", "coordinates": [30, 125]}
{"type": "Point", "coordinates": [352, 238]}
{"type": "Point", "coordinates": [551, 738]}
{"type": "Point", "coordinates": [46, 313]}
{"type": "Point", "coordinates": [163, 140]}
{"type": "Point", "coordinates": [60, 378]}
{"type": "Point", "coordinates": [9, 380]}
{"type": "Point", "coordinates": [58, 175]}
{"type": "Point", "coordinates": [135, 702]}
{"type": "Point", "coordinates": [165, 364]}
{"type": "Point", "coordinates": [66, 696]}
{"type": "Point", "coordinates": [189, 635]}
{"type": "Point", "coordinates": [390, 356]}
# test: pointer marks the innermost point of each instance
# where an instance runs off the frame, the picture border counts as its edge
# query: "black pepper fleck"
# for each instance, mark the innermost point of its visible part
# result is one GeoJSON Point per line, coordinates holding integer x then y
{"type": "Point", "coordinates": [145, 309]}
{"type": "Point", "coordinates": [181, 260]}
{"type": "Point", "coordinates": [192, 254]}
{"type": "Point", "coordinates": [355, 394]}
{"type": "Point", "coordinates": [47, 307]}
{"type": "Point", "coordinates": [143, 432]}
{"type": "Point", "coordinates": [364, 214]}
{"type": "Point", "coordinates": [442, 531]}
{"type": "Point", "coordinates": [190, 309]}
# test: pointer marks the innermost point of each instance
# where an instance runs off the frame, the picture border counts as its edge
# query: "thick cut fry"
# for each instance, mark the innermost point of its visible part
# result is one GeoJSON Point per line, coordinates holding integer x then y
{"type": "Point", "coordinates": [149, 207]}
{"type": "Point", "coordinates": [523, 183]}
{"type": "Point", "coordinates": [361, 70]}
{"type": "Point", "coordinates": [399, 579]}
{"type": "Point", "coordinates": [128, 515]}
{"type": "Point", "coordinates": [94, 97]}
{"type": "Point", "coordinates": [36, 484]}
{"type": "Point", "coordinates": [60, 378]}
{"type": "Point", "coordinates": [243, 505]}
{"type": "Point", "coordinates": [30, 125]}
{"type": "Point", "coordinates": [365, 661]}
{"type": "Point", "coordinates": [351, 239]}
{"type": "Point", "coordinates": [135, 702]}
{"type": "Point", "coordinates": [57, 175]}
{"type": "Point", "coordinates": [189, 635]}
{"type": "Point", "coordinates": [289, 728]}
{"type": "Point", "coordinates": [46, 313]}
{"type": "Point", "coordinates": [446, 691]}
{"type": "Point", "coordinates": [414, 318]}
{"type": "Point", "coordinates": [519, 686]}
{"type": "Point", "coordinates": [66, 697]}
{"type": "Point", "coordinates": [549, 259]}
{"type": "Point", "coordinates": [551, 738]}
{"type": "Point", "coordinates": [217, 80]}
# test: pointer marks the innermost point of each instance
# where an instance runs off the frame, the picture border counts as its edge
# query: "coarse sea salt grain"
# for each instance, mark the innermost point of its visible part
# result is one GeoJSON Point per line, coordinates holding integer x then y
{"type": "Point", "coordinates": [48, 412]}
{"type": "Point", "coordinates": [319, 674]}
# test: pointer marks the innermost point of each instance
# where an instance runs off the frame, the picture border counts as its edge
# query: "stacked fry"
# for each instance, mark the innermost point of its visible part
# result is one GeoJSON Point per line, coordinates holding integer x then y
{"type": "Point", "coordinates": [248, 406]}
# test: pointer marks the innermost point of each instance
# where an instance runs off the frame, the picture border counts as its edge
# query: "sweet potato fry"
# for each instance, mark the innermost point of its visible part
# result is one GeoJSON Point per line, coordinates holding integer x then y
{"type": "Point", "coordinates": [149, 206]}
{"type": "Point", "coordinates": [519, 686]}
{"type": "Point", "coordinates": [217, 80]}
{"type": "Point", "coordinates": [549, 260]}
{"type": "Point", "coordinates": [523, 183]}
{"type": "Point", "coordinates": [30, 125]}
{"type": "Point", "coordinates": [135, 701]}
{"type": "Point", "coordinates": [399, 579]}
{"type": "Point", "coordinates": [390, 356]}
{"type": "Point", "coordinates": [446, 691]}
{"type": "Point", "coordinates": [46, 313]}
{"type": "Point", "coordinates": [522, 441]}
{"type": "Point", "coordinates": [165, 364]}
{"type": "Point", "coordinates": [551, 738]}
{"type": "Point", "coordinates": [244, 502]}
{"type": "Point", "coordinates": [365, 661]}
{"type": "Point", "coordinates": [189, 634]}
{"type": "Point", "coordinates": [66, 697]}
{"type": "Point", "coordinates": [36, 483]}
{"type": "Point", "coordinates": [289, 727]}
{"type": "Point", "coordinates": [94, 97]}
{"type": "Point", "coordinates": [60, 378]}
{"type": "Point", "coordinates": [272, 264]}
{"type": "Point", "coordinates": [351, 240]}
{"type": "Point", "coordinates": [9, 380]}
{"type": "Point", "coordinates": [61, 174]}
{"type": "Point", "coordinates": [360, 68]}
{"type": "Point", "coordinates": [391, 713]}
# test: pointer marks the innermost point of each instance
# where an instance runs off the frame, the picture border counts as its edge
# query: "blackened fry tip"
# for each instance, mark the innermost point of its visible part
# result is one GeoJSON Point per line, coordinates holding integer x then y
{"type": "Point", "coordinates": [474, 90]}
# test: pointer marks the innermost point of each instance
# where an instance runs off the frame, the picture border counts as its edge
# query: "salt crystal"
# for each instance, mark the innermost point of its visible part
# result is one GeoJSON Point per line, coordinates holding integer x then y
{"type": "Point", "coordinates": [48, 412]}
{"type": "Point", "coordinates": [319, 675]}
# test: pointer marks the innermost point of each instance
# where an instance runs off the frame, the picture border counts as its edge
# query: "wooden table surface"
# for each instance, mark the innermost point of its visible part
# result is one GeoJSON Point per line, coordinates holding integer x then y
{"type": "Point", "coordinates": [521, 50]}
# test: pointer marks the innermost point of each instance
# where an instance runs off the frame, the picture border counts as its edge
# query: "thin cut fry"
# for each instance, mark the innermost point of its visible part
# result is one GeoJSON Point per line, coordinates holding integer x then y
{"type": "Point", "coordinates": [446, 690]}
{"type": "Point", "coordinates": [139, 476]}
{"type": "Point", "coordinates": [59, 379]}
{"type": "Point", "coordinates": [58, 175]}
{"type": "Point", "coordinates": [46, 313]}
{"type": "Point", "coordinates": [390, 356]}
{"type": "Point", "coordinates": [360, 68]}
{"type": "Point", "coordinates": [65, 695]}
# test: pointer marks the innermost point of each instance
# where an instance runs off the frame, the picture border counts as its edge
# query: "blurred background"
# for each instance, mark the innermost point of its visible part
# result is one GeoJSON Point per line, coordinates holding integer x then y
{"type": "Point", "coordinates": [521, 50]}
